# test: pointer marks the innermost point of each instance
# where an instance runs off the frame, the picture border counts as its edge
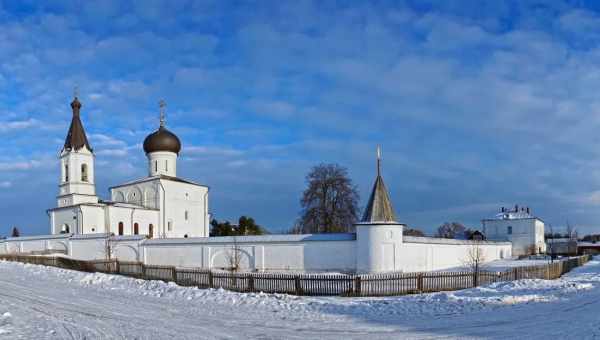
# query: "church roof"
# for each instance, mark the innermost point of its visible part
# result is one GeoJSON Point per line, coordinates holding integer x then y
{"type": "Point", "coordinates": [162, 139]}
{"type": "Point", "coordinates": [76, 138]}
{"type": "Point", "coordinates": [159, 177]}
{"type": "Point", "coordinates": [379, 208]}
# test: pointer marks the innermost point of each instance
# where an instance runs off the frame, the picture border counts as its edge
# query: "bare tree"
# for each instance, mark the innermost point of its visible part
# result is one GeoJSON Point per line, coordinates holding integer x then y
{"type": "Point", "coordinates": [413, 232]}
{"type": "Point", "coordinates": [474, 261]}
{"type": "Point", "coordinates": [330, 203]}
{"type": "Point", "coordinates": [451, 230]}
{"type": "Point", "coordinates": [233, 256]}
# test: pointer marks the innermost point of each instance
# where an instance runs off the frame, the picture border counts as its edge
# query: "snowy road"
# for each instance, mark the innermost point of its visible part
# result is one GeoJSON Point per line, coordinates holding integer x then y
{"type": "Point", "coordinates": [48, 303]}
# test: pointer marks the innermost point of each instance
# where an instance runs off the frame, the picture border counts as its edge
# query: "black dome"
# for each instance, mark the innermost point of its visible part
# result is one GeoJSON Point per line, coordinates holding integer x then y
{"type": "Point", "coordinates": [162, 140]}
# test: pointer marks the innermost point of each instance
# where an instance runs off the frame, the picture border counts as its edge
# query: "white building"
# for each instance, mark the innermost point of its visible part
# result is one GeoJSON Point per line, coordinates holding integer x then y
{"type": "Point", "coordinates": [160, 205]}
{"type": "Point", "coordinates": [518, 226]}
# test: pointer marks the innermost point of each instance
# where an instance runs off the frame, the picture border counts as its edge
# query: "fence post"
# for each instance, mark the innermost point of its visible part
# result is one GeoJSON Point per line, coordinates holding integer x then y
{"type": "Point", "coordinates": [297, 285]}
{"type": "Point", "coordinates": [515, 274]}
{"type": "Point", "coordinates": [210, 279]}
{"type": "Point", "coordinates": [475, 279]}
{"type": "Point", "coordinates": [143, 275]}
{"type": "Point", "coordinates": [357, 286]}
{"type": "Point", "coordinates": [174, 274]}
{"type": "Point", "coordinates": [117, 267]}
{"type": "Point", "coordinates": [420, 282]}
{"type": "Point", "coordinates": [251, 282]}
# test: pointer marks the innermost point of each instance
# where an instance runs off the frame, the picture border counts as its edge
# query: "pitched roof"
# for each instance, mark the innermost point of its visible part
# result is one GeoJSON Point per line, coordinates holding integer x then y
{"type": "Point", "coordinates": [379, 208]}
{"type": "Point", "coordinates": [76, 138]}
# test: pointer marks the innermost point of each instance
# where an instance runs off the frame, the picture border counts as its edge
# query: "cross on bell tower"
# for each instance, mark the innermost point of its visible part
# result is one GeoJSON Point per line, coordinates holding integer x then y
{"type": "Point", "coordinates": [162, 105]}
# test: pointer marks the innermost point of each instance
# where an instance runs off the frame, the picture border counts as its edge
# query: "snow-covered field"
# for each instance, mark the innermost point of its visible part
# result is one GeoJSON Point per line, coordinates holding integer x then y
{"type": "Point", "coordinates": [49, 303]}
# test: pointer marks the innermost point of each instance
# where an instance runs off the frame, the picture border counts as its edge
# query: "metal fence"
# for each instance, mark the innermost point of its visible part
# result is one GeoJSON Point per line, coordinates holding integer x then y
{"type": "Point", "coordinates": [310, 284]}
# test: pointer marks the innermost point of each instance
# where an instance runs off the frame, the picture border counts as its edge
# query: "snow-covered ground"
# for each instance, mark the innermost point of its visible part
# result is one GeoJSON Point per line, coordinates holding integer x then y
{"type": "Point", "coordinates": [49, 303]}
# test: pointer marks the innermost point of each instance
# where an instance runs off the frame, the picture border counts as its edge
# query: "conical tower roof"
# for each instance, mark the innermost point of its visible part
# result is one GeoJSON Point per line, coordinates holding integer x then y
{"type": "Point", "coordinates": [379, 208]}
{"type": "Point", "coordinates": [76, 138]}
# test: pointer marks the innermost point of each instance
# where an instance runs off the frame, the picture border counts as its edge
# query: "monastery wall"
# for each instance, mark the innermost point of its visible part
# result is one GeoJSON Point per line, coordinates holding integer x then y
{"type": "Point", "coordinates": [314, 253]}
{"type": "Point", "coordinates": [297, 253]}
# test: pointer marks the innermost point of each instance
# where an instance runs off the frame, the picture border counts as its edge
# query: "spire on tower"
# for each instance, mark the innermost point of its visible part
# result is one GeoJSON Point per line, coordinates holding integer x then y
{"type": "Point", "coordinates": [162, 106]}
{"type": "Point", "coordinates": [378, 160]}
{"type": "Point", "coordinates": [76, 137]}
{"type": "Point", "coordinates": [379, 207]}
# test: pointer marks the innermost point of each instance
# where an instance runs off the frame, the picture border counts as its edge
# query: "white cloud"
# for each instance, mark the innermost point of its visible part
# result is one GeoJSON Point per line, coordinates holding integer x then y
{"type": "Point", "coordinates": [18, 125]}
{"type": "Point", "coordinates": [98, 139]}
{"type": "Point", "coordinates": [5, 184]}
{"type": "Point", "coordinates": [20, 165]}
{"type": "Point", "coordinates": [211, 151]}
{"type": "Point", "coordinates": [112, 152]}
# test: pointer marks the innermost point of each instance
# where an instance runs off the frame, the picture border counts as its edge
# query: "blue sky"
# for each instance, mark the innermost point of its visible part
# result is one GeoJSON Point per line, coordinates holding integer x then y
{"type": "Point", "coordinates": [477, 104]}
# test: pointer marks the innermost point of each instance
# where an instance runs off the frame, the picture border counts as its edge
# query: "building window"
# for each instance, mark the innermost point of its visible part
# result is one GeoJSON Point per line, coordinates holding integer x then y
{"type": "Point", "coordinates": [151, 231]}
{"type": "Point", "coordinates": [120, 228]}
{"type": "Point", "coordinates": [170, 226]}
{"type": "Point", "coordinates": [155, 165]}
{"type": "Point", "coordinates": [167, 166]}
{"type": "Point", "coordinates": [509, 230]}
{"type": "Point", "coordinates": [84, 173]}
{"type": "Point", "coordinates": [65, 229]}
{"type": "Point", "coordinates": [186, 215]}
{"type": "Point", "coordinates": [136, 229]}
{"type": "Point", "coordinates": [66, 172]}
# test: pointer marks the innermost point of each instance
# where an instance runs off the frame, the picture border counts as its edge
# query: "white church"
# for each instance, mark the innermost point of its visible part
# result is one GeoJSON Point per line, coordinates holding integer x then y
{"type": "Point", "coordinates": [160, 205]}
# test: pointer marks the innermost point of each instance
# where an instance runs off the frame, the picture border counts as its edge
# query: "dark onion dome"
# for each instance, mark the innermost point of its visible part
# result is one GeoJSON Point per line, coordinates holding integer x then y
{"type": "Point", "coordinates": [162, 140]}
{"type": "Point", "coordinates": [76, 138]}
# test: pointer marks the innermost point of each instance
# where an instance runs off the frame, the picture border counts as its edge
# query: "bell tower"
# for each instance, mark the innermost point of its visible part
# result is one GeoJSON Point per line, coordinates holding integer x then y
{"type": "Point", "coordinates": [77, 183]}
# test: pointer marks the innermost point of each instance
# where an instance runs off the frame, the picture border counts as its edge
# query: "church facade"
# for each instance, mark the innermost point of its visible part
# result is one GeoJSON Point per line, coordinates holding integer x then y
{"type": "Point", "coordinates": [160, 205]}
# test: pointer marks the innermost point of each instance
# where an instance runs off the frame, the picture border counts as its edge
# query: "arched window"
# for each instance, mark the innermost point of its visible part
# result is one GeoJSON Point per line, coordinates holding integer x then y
{"type": "Point", "coordinates": [151, 231]}
{"type": "Point", "coordinates": [136, 229]}
{"type": "Point", "coordinates": [170, 226]}
{"type": "Point", "coordinates": [84, 176]}
{"type": "Point", "coordinates": [121, 228]}
{"type": "Point", "coordinates": [66, 172]}
{"type": "Point", "coordinates": [65, 229]}
{"type": "Point", "coordinates": [155, 165]}
{"type": "Point", "coordinates": [166, 165]}
{"type": "Point", "coordinates": [84, 172]}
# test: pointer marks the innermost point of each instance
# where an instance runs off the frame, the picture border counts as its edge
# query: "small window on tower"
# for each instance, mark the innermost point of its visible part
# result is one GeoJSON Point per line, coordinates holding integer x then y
{"type": "Point", "coordinates": [166, 165]}
{"type": "Point", "coordinates": [155, 165]}
{"type": "Point", "coordinates": [509, 230]}
{"type": "Point", "coordinates": [170, 226]}
{"type": "Point", "coordinates": [84, 173]}
{"type": "Point", "coordinates": [186, 215]}
{"type": "Point", "coordinates": [66, 172]}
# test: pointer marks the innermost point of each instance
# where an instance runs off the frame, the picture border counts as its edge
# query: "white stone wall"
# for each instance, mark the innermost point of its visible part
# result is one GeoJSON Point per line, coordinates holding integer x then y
{"type": "Point", "coordinates": [378, 247]}
{"type": "Point", "coordinates": [296, 253]}
{"type": "Point", "coordinates": [419, 254]}
{"type": "Point", "coordinates": [129, 216]}
{"type": "Point", "coordinates": [88, 247]}
{"type": "Point", "coordinates": [162, 163]}
{"type": "Point", "coordinates": [183, 207]}
{"type": "Point", "coordinates": [315, 253]}
{"type": "Point", "coordinates": [181, 199]}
